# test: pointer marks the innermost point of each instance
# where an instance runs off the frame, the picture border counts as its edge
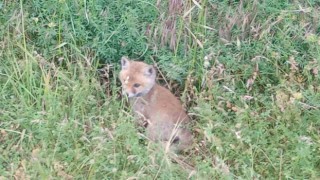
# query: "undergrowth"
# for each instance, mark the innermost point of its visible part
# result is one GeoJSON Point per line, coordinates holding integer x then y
{"type": "Point", "coordinates": [248, 73]}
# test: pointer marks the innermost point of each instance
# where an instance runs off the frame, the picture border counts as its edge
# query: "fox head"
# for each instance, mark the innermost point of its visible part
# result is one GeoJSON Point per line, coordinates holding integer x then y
{"type": "Point", "coordinates": [137, 78]}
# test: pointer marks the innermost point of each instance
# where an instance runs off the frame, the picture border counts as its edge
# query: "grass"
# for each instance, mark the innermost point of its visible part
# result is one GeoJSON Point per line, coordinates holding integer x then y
{"type": "Point", "coordinates": [246, 71]}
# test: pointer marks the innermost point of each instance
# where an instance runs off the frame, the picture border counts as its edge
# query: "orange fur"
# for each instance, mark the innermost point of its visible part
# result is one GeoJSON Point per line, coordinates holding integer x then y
{"type": "Point", "coordinates": [166, 119]}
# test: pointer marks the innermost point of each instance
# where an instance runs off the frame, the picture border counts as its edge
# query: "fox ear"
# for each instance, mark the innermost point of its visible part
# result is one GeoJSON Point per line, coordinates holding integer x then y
{"type": "Point", "coordinates": [150, 71]}
{"type": "Point", "coordinates": [125, 62]}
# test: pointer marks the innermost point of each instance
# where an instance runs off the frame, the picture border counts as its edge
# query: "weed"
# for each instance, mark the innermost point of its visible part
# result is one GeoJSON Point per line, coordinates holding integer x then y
{"type": "Point", "coordinates": [246, 71]}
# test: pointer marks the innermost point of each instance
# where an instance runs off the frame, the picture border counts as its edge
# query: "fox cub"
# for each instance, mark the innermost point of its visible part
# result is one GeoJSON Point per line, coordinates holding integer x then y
{"type": "Point", "coordinates": [155, 107]}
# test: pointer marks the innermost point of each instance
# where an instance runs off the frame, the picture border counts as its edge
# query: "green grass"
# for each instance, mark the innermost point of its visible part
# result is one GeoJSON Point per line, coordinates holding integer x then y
{"type": "Point", "coordinates": [247, 73]}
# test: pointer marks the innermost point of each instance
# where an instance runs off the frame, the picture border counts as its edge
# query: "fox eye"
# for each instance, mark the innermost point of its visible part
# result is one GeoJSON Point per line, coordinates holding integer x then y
{"type": "Point", "coordinates": [136, 85]}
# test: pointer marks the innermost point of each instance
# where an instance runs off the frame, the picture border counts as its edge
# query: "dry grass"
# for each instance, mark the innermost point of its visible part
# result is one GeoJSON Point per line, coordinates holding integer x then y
{"type": "Point", "coordinates": [248, 73]}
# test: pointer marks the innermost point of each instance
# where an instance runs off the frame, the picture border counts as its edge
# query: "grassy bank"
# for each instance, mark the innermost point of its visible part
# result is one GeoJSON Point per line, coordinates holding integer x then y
{"type": "Point", "coordinates": [246, 71]}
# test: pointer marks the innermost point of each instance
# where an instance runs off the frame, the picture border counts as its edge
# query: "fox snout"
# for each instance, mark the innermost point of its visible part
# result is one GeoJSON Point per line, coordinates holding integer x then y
{"type": "Point", "coordinates": [131, 94]}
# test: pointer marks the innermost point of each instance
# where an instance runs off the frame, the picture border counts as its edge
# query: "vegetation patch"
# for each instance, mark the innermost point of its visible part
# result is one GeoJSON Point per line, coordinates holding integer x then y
{"type": "Point", "coordinates": [248, 73]}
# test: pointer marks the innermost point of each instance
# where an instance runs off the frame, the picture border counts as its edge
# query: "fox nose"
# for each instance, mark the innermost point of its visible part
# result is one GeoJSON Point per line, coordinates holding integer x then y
{"type": "Point", "coordinates": [129, 94]}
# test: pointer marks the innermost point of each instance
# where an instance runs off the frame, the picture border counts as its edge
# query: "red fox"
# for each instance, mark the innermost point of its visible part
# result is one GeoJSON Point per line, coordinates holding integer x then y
{"type": "Point", "coordinates": [156, 107]}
